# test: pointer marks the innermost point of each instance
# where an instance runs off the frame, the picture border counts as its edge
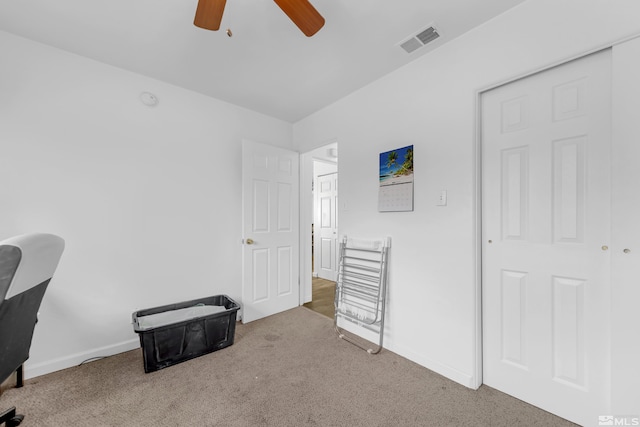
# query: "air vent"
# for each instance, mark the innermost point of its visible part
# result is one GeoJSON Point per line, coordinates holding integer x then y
{"type": "Point", "coordinates": [420, 39]}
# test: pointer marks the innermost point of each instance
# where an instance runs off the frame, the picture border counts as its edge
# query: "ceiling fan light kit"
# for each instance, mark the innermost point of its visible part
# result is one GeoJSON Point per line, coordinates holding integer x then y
{"type": "Point", "coordinates": [301, 12]}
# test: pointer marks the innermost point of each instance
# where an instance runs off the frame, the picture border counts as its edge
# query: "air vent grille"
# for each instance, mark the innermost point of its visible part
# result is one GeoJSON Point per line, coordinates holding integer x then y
{"type": "Point", "coordinates": [428, 35]}
{"type": "Point", "coordinates": [420, 39]}
{"type": "Point", "coordinates": [411, 45]}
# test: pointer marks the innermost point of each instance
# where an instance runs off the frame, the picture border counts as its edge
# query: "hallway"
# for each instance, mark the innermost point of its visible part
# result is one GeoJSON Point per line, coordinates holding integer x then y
{"type": "Point", "coordinates": [323, 296]}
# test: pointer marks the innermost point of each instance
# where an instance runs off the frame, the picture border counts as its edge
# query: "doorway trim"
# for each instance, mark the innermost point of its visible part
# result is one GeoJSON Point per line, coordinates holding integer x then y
{"type": "Point", "coordinates": [477, 377]}
{"type": "Point", "coordinates": [306, 212]}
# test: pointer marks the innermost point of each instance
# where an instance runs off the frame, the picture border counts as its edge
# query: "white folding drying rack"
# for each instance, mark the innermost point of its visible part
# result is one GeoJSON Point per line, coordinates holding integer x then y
{"type": "Point", "coordinates": [361, 288]}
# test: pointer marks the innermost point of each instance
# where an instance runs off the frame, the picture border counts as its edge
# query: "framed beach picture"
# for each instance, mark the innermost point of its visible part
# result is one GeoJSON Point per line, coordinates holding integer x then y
{"type": "Point", "coordinates": [396, 180]}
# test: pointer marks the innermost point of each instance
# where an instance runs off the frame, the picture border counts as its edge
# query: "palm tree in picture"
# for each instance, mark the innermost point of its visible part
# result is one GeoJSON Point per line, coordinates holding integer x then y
{"type": "Point", "coordinates": [392, 157]}
{"type": "Point", "coordinates": [408, 159]}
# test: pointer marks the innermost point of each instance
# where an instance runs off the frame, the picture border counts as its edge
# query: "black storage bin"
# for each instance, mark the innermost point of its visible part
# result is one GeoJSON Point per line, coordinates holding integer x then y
{"type": "Point", "coordinates": [173, 343]}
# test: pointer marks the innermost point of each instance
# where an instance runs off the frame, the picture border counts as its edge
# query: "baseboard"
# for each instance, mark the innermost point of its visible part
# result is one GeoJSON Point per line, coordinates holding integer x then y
{"type": "Point", "coordinates": [447, 371]}
{"type": "Point", "coordinates": [440, 368]}
{"type": "Point", "coordinates": [43, 368]}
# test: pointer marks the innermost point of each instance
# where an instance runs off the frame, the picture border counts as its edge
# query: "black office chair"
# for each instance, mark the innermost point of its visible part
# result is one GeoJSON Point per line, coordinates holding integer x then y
{"type": "Point", "coordinates": [27, 263]}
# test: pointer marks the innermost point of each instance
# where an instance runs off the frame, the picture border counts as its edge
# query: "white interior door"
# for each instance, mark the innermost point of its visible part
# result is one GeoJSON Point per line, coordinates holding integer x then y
{"type": "Point", "coordinates": [270, 282]}
{"type": "Point", "coordinates": [546, 199]}
{"type": "Point", "coordinates": [625, 248]}
{"type": "Point", "coordinates": [326, 226]}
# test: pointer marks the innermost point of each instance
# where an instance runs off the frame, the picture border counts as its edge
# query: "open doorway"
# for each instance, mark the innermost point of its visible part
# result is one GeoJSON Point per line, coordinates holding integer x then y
{"type": "Point", "coordinates": [319, 228]}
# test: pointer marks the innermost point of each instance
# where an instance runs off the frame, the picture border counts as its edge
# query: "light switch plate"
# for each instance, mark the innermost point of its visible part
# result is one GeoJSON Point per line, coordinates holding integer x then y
{"type": "Point", "coordinates": [442, 200]}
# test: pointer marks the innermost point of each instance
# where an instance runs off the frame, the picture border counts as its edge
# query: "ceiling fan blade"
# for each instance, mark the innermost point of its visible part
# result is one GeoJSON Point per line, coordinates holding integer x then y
{"type": "Point", "coordinates": [209, 14]}
{"type": "Point", "coordinates": [303, 14]}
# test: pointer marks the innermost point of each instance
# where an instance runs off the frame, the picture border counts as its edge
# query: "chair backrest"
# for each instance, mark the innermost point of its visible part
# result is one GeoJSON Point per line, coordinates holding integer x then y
{"type": "Point", "coordinates": [27, 263]}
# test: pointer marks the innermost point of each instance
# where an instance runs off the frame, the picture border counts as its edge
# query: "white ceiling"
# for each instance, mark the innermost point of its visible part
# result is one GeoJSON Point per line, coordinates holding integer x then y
{"type": "Point", "coordinates": [268, 65]}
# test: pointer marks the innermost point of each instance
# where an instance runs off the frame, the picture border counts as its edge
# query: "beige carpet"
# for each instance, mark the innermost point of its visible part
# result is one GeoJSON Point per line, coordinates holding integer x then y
{"type": "Point", "coordinates": [287, 370]}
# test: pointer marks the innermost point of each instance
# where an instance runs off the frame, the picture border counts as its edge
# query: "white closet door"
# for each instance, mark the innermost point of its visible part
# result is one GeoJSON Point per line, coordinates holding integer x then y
{"type": "Point", "coordinates": [625, 263]}
{"type": "Point", "coordinates": [546, 143]}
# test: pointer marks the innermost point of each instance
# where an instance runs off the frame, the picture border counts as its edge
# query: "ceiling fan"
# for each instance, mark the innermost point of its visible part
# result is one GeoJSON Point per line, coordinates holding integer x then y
{"type": "Point", "coordinates": [301, 12]}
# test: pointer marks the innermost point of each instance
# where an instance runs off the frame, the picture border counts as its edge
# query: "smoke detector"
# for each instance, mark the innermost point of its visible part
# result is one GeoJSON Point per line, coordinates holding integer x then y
{"type": "Point", "coordinates": [149, 99]}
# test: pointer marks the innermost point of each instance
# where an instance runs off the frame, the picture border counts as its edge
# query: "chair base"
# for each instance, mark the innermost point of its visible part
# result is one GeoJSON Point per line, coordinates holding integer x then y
{"type": "Point", "coordinates": [10, 418]}
{"type": "Point", "coordinates": [20, 377]}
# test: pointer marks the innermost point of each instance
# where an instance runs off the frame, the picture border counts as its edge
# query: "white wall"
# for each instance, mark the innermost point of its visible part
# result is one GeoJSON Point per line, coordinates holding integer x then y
{"type": "Point", "coordinates": [147, 199]}
{"type": "Point", "coordinates": [431, 103]}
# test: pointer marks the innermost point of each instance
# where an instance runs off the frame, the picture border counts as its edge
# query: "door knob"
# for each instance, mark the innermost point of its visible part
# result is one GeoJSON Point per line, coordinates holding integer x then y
{"type": "Point", "coordinates": [626, 251]}
{"type": "Point", "coordinates": [249, 241]}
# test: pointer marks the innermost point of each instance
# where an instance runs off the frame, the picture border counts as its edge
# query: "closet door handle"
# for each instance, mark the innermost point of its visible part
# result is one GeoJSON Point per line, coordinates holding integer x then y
{"type": "Point", "coordinates": [249, 241]}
